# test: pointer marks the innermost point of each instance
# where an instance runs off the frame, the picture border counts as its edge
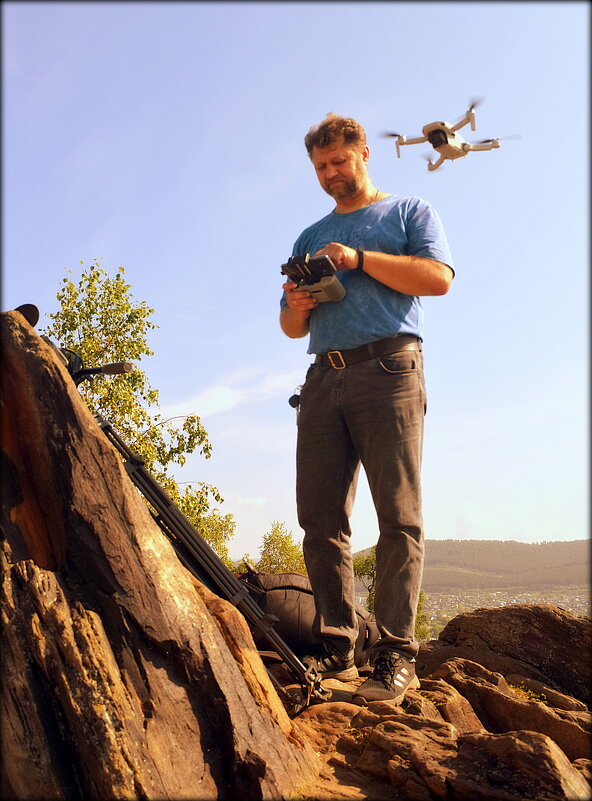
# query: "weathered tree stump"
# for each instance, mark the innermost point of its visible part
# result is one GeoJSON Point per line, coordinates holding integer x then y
{"type": "Point", "coordinates": [123, 677]}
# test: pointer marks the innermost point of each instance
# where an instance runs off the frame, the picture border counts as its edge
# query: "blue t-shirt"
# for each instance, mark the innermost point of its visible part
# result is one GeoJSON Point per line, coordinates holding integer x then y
{"type": "Point", "coordinates": [402, 226]}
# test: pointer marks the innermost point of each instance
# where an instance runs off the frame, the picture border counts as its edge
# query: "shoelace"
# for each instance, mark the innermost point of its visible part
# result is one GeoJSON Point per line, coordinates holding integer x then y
{"type": "Point", "coordinates": [385, 667]}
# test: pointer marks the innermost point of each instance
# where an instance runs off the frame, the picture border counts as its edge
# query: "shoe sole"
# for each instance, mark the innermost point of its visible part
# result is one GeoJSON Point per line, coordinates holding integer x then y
{"type": "Point", "coordinates": [395, 700]}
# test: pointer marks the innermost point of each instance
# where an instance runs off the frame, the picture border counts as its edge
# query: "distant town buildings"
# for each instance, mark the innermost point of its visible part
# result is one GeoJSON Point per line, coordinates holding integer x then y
{"type": "Point", "coordinates": [440, 608]}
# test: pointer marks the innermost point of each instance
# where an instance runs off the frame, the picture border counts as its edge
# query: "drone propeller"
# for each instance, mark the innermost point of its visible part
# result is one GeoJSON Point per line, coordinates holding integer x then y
{"type": "Point", "coordinates": [427, 157]}
{"type": "Point", "coordinates": [396, 136]}
{"type": "Point", "coordinates": [474, 102]}
{"type": "Point", "coordinates": [499, 138]}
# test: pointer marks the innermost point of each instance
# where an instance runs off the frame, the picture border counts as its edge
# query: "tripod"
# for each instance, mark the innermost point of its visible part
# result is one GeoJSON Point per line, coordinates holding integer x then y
{"type": "Point", "coordinates": [202, 561]}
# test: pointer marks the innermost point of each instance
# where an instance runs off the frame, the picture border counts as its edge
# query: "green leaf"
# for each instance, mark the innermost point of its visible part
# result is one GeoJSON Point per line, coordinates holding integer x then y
{"type": "Point", "coordinates": [279, 553]}
{"type": "Point", "coordinates": [99, 319]}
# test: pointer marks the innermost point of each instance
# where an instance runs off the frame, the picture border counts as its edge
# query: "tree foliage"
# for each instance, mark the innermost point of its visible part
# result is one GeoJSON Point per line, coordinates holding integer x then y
{"type": "Point", "coordinates": [365, 571]}
{"type": "Point", "coordinates": [98, 319]}
{"type": "Point", "coordinates": [422, 621]}
{"type": "Point", "coordinates": [279, 552]}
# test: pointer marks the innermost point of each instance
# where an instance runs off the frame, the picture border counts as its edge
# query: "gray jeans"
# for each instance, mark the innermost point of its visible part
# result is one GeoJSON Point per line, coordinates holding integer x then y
{"type": "Point", "coordinates": [372, 413]}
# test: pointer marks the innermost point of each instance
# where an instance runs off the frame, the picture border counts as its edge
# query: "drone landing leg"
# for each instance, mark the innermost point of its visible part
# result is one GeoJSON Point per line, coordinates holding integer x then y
{"type": "Point", "coordinates": [433, 165]}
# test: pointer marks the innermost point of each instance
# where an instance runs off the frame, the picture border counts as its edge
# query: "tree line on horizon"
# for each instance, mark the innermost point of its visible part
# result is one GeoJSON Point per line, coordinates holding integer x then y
{"type": "Point", "coordinates": [506, 556]}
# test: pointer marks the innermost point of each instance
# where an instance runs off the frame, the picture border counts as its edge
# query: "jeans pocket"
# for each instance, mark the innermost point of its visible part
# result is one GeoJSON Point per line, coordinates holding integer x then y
{"type": "Point", "coordinates": [399, 363]}
{"type": "Point", "coordinates": [310, 371]}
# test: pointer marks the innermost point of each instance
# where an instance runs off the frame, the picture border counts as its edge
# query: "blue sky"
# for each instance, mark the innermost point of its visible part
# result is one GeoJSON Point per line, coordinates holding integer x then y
{"type": "Point", "coordinates": [168, 138]}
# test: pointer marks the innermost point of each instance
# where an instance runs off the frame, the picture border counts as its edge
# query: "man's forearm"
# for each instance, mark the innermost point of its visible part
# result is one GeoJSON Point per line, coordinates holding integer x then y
{"type": "Point", "coordinates": [294, 324]}
{"type": "Point", "coordinates": [411, 275]}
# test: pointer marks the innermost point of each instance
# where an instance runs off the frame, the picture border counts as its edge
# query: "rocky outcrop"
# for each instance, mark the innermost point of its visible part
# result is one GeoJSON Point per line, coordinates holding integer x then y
{"type": "Point", "coordinates": [123, 677]}
{"type": "Point", "coordinates": [551, 646]}
{"type": "Point", "coordinates": [468, 733]}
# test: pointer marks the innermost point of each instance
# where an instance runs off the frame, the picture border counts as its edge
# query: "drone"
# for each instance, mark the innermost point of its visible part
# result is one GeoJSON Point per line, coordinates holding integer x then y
{"type": "Point", "coordinates": [445, 140]}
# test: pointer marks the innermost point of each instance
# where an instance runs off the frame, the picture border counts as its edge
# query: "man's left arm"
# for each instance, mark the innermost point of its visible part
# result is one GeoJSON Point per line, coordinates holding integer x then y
{"type": "Point", "coordinates": [410, 275]}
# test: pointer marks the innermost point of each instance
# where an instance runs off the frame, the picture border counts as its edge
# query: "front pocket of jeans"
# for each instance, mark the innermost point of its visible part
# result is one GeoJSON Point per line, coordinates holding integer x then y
{"type": "Point", "coordinates": [397, 365]}
{"type": "Point", "coordinates": [310, 371]}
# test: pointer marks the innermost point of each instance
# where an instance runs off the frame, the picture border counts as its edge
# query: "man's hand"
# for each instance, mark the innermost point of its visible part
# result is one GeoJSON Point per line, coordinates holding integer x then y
{"type": "Point", "coordinates": [410, 275]}
{"type": "Point", "coordinates": [343, 258]}
{"type": "Point", "coordinates": [299, 301]}
{"type": "Point", "coordinates": [294, 316]}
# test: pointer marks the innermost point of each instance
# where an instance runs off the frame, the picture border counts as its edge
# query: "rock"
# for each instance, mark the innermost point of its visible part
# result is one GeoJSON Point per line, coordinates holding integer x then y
{"type": "Point", "coordinates": [466, 734]}
{"type": "Point", "coordinates": [427, 760]}
{"type": "Point", "coordinates": [417, 753]}
{"type": "Point", "coordinates": [422, 704]}
{"type": "Point", "coordinates": [584, 766]}
{"type": "Point", "coordinates": [538, 641]}
{"type": "Point", "coordinates": [552, 697]}
{"type": "Point", "coordinates": [500, 710]}
{"type": "Point", "coordinates": [516, 766]}
{"type": "Point", "coordinates": [122, 676]}
{"type": "Point", "coordinates": [125, 677]}
{"type": "Point", "coordinates": [452, 706]}
{"type": "Point", "coordinates": [324, 724]}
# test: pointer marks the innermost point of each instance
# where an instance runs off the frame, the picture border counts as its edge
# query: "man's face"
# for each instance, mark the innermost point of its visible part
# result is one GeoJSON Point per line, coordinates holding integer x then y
{"type": "Point", "coordinates": [341, 168]}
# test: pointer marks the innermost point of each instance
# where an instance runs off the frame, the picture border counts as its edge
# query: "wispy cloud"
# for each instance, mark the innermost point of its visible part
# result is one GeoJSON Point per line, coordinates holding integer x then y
{"type": "Point", "coordinates": [259, 501]}
{"type": "Point", "coordinates": [235, 391]}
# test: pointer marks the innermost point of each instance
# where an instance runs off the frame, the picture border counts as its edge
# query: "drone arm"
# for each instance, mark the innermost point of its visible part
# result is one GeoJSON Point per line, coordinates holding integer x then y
{"type": "Point", "coordinates": [465, 121]}
{"type": "Point", "coordinates": [481, 145]}
{"type": "Point", "coordinates": [403, 140]}
{"type": "Point", "coordinates": [416, 140]}
{"type": "Point", "coordinates": [468, 118]}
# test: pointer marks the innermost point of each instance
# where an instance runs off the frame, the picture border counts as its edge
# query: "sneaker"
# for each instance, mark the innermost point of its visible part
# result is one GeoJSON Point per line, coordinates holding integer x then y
{"type": "Point", "coordinates": [330, 664]}
{"type": "Point", "coordinates": [393, 675]}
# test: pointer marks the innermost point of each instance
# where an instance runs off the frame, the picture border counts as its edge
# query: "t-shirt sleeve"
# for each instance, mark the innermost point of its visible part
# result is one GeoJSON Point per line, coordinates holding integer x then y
{"type": "Point", "coordinates": [426, 235]}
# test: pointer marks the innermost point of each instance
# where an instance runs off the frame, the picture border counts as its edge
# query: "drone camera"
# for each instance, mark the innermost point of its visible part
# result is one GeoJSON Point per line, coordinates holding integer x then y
{"type": "Point", "coordinates": [437, 138]}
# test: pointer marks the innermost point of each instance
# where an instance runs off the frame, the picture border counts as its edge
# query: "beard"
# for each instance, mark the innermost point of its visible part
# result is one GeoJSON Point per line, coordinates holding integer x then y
{"type": "Point", "coordinates": [342, 188]}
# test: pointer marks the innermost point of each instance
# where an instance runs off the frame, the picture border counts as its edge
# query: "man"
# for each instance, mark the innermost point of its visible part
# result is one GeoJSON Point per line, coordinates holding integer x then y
{"type": "Point", "coordinates": [364, 401]}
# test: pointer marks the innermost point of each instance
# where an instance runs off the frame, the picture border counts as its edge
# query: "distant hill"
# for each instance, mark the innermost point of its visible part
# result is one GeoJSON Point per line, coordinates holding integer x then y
{"type": "Point", "coordinates": [452, 565]}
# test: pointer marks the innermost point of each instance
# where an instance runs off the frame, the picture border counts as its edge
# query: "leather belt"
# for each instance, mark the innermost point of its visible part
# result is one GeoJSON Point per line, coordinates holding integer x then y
{"type": "Point", "coordinates": [340, 359]}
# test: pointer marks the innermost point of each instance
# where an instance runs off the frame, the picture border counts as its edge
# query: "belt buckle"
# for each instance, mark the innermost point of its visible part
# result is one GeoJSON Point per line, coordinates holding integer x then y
{"type": "Point", "coordinates": [330, 355]}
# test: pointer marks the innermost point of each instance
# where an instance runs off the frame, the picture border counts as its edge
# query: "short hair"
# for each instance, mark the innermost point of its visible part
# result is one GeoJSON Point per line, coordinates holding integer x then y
{"type": "Point", "coordinates": [334, 129]}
